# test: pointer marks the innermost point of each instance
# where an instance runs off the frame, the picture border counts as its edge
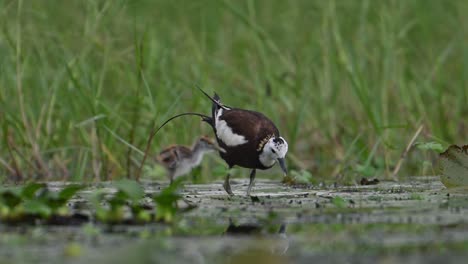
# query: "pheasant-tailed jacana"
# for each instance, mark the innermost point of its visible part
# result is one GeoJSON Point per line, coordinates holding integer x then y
{"type": "Point", "coordinates": [249, 139]}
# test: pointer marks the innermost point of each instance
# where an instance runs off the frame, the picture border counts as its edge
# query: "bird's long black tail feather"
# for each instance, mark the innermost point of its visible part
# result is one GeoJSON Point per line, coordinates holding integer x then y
{"type": "Point", "coordinates": [215, 107]}
{"type": "Point", "coordinates": [216, 99]}
{"type": "Point", "coordinates": [204, 118]}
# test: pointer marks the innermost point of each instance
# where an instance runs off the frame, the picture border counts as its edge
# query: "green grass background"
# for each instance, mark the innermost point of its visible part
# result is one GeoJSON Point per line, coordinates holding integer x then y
{"type": "Point", "coordinates": [347, 82]}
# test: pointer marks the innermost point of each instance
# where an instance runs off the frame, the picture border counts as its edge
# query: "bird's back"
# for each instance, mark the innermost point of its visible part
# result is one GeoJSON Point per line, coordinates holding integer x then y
{"type": "Point", "coordinates": [170, 156]}
{"type": "Point", "coordinates": [254, 126]}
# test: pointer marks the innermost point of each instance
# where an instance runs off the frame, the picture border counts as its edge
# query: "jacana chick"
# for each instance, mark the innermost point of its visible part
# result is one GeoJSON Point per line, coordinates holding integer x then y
{"type": "Point", "coordinates": [180, 160]}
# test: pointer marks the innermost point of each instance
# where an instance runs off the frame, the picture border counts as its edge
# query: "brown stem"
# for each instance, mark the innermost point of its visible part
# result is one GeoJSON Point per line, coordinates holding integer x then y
{"type": "Point", "coordinates": [405, 152]}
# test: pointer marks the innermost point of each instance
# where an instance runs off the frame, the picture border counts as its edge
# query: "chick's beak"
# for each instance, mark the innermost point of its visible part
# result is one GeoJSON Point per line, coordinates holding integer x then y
{"type": "Point", "coordinates": [283, 166]}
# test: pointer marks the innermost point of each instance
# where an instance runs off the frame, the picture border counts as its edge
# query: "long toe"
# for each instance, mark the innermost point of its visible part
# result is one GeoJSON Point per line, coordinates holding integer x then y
{"type": "Point", "coordinates": [227, 188]}
{"type": "Point", "coordinates": [249, 189]}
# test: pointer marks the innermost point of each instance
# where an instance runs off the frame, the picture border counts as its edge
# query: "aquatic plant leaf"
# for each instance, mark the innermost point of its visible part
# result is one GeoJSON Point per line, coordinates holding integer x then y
{"type": "Point", "coordinates": [96, 199]}
{"type": "Point", "coordinates": [132, 189]}
{"type": "Point", "coordinates": [454, 166]}
{"type": "Point", "coordinates": [10, 199]}
{"type": "Point", "coordinates": [68, 192]}
{"type": "Point", "coordinates": [37, 207]}
{"type": "Point", "coordinates": [29, 191]}
{"type": "Point", "coordinates": [166, 201]}
{"type": "Point", "coordinates": [118, 200]}
{"type": "Point", "coordinates": [53, 200]}
{"type": "Point", "coordinates": [339, 202]}
{"type": "Point", "coordinates": [169, 194]}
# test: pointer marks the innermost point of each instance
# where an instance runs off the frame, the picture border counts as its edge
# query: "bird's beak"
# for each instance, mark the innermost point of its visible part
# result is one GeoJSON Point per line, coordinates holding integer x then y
{"type": "Point", "coordinates": [283, 166]}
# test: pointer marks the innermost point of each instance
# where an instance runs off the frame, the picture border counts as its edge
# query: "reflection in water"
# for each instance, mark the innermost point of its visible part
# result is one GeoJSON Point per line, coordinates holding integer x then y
{"type": "Point", "coordinates": [281, 245]}
{"type": "Point", "coordinates": [263, 247]}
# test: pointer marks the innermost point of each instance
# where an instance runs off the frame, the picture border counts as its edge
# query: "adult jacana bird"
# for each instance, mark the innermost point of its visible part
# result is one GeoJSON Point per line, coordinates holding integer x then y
{"type": "Point", "coordinates": [249, 139]}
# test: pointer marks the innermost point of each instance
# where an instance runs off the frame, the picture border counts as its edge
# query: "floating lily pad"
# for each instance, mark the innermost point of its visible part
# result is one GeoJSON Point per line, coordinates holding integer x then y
{"type": "Point", "coordinates": [454, 165]}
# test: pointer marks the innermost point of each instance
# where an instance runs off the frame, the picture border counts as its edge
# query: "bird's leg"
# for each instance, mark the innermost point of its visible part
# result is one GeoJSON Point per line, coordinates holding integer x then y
{"type": "Point", "coordinates": [252, 180]}
{"type": "Point", "coordinates": [227, 185]}
{"type": "Point", "coordinates": [171, 177]}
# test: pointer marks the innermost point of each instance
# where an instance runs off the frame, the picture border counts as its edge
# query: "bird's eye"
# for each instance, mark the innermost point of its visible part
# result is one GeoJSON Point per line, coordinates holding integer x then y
{"type": "Point", "coordinates": [274, 152]}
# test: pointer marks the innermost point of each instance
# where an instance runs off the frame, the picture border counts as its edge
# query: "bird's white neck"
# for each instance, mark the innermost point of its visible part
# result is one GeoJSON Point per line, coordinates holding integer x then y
{"type": "Point", "coordinates": [197, 156]}
{"type": "Point", "coordinates": [266, 160]}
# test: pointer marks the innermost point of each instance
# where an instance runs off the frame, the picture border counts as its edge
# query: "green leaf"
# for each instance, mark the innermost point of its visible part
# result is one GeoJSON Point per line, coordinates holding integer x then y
{"type": "Point", "coordinates": [430, 146]}
{"type": "Point", "coordinates": [143, 216]}
{"type": "Point", "coordinates": [132, 189]}
{"type": "Point", "coordinates": [339, 202]}
{"type": "Point", "coordinates": [118, 200]}
{"type": "Point", "coordinates": [14, 190]}
{"type": "Point", "coordinates": [10, 199]}
{"type": "Point", "coordinates": [169, 194]}
{"type": "Point", "coordinates": [29, 191]}
{"type": "Point", "coordinates": [37, 207]}
{"type": "Point", "coordinates": [68, 192]}
{"type": "Point", "coordinates": [96, 199]}
{"type": "Point", "coordinates": [166, 201]}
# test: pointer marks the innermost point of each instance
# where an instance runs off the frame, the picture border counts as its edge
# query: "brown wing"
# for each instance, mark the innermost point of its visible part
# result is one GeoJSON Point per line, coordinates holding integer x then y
{"type": "Point", "coordinates": [169, 156]}
{"type": "Point", "coordinates": [254, 126]}
{"type": "Point", "coordinates": [183, 152]}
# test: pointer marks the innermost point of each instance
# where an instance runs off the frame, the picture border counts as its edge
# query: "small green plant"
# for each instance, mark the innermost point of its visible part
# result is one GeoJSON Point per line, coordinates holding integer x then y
{"type": "Point", "coordinates": [57, 201]}
{"type": "Point", "coordinates": [35, 200]}
{"type": "Point", "coordinates": [301, 177]}
{"type": "Point", "coordinates": [127, 198]}
{"type": "Point", "coordinates": [416, 196]}
{"type": "Point", "coordinates": [166, 202]}
{"type": "Point", "coordinates": [11, 200]}
{"type": "Point", "coordinates": [339, 202]}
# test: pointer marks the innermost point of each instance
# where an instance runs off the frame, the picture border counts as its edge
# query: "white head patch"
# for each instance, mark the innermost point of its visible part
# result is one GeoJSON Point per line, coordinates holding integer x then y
{"type": "Point", "coordinates": [274, 149]}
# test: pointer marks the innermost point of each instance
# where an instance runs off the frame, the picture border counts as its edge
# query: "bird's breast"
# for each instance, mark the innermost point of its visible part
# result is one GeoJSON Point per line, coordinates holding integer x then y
{"type": "Point", "coordinates": [244, 156]}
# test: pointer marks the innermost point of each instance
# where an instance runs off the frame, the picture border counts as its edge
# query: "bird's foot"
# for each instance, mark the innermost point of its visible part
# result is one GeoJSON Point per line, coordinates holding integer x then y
{"type": "Point", "coordinates": [249, 189]}
{"type": "Point", "coordinates": [227, 188]}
